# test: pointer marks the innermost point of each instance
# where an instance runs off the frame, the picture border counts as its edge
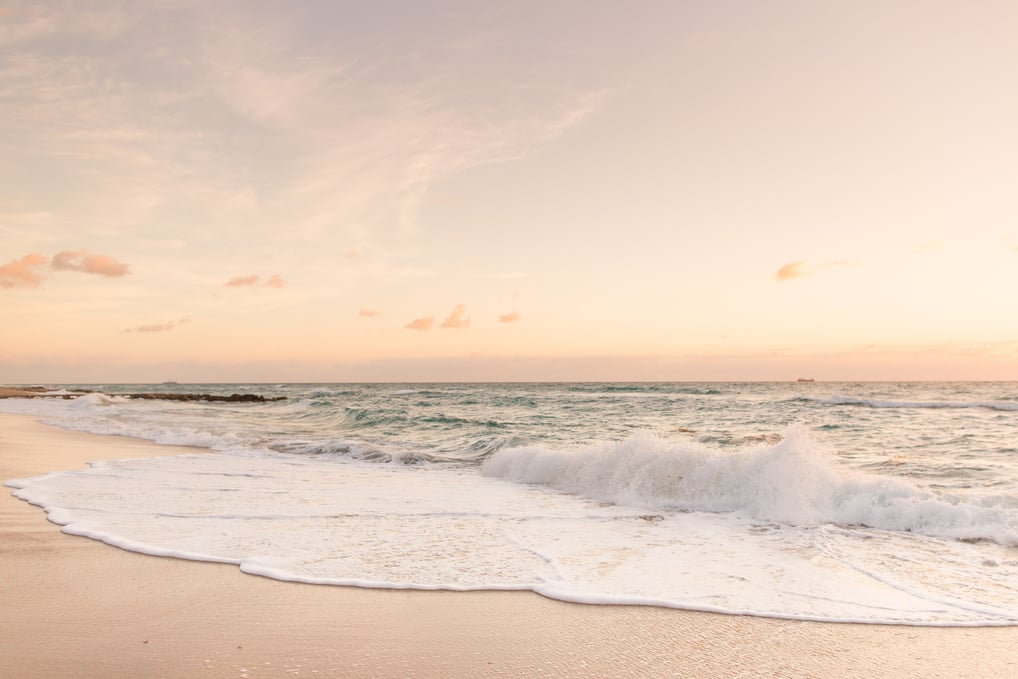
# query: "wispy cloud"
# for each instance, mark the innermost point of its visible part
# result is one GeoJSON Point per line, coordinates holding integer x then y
{"type": "Point", "coordinates": [364, 172]}
{"type": "Point", "coordinates": [242, 281]}
{"type": "Point", "coordinates": [368, 313]}
{"type": "Point", "coordinates": [458, 319]}
{"type": "Point", "coordinates": [22, 272]}
{"type": "Point", "coordinates": [273, 281]}
{"type": "Point", "coordinates": [511, 317]}
{"type": "Point", "coordinates": [159, 327]}
{"type": "Point", "coordinates": [249, 114]}
{"type": "Point", "coordinates": [422, 324]}
{"type": "Point", "coordinates": [78, 92]}
{"type": "Point", "coordinates": [28, 20]}
{"type": "Point", "coordinates": [82, 261]}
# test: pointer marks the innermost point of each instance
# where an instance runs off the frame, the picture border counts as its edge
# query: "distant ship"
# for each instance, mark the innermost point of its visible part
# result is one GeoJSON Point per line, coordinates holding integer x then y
{"type": "Point", "coordinates": [805, 379]}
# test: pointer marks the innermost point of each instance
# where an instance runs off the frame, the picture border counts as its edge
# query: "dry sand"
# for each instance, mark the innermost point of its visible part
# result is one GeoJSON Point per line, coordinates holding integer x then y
{"type": "Point", "coordinates": [73, 607]}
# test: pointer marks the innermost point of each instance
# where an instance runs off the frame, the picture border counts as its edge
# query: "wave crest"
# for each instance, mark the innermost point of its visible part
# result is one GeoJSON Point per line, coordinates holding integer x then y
{"type": "Point", "coordinates": [95, 400]}
{"type": "Point", "coordinates": [1006, 406]}
{"type": "Point", "coordinates": [795, 481]}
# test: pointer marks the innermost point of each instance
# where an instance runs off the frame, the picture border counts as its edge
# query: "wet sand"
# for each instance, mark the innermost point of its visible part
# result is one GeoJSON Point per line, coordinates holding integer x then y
{"type": "Point", "coordinates": [74, 607]}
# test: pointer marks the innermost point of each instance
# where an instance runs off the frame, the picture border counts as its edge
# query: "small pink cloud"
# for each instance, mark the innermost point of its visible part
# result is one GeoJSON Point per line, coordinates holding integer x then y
{"type": "Point", "coordinates": [155, 327]}
{"type": "Point", "coordinates": [511, 317]}
{"type": "Point", "coordinates": [458, 319]}
{"type": "Point", "coordinates": [800, 269]}
{"type": "Point", "coordinates": [368, 313]}
{"type": "Point", "coordinates": [241, 281]}
{"type": "Point", "coordinates": [159, 327]}
{"type": "Point", "coordinates": [21, 272]}
{"type": "Point", "coordinates": [80, 260]}
{"type": "Point", "coordinates": [103, 265]}
{"type": "Point", "coordinates": [422, 324]}
{"type": "Point", "coordinates": [273, 281]}
{"type": "Point", "coordinates": [791, 270]}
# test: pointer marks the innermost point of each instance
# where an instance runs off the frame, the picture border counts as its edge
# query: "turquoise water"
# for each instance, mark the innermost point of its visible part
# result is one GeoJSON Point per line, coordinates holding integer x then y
{"type": "Point", "coordinates": [951, 435]}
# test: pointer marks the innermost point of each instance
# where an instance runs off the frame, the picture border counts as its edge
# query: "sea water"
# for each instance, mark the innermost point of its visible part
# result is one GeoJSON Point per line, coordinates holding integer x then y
{"type": "Point", "coordinates": [878, 503]}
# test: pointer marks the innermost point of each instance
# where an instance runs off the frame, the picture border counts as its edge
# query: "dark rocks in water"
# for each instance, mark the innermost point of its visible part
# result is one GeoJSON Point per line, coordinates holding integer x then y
{"type": "Point", "coordinates": [232, 398]}
{"type": "Point", "coordinates": [38, 392]}
{"type": "Point", "coordinates": [43, 392]}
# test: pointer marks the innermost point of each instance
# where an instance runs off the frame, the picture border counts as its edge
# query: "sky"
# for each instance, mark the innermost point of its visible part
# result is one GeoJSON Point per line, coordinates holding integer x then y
{"type": "Point", "coordinates": [255, 191]}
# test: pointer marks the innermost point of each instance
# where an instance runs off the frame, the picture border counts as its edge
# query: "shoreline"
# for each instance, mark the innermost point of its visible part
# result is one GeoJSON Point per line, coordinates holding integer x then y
{"type": "Point", "coordinates": [77, 607]}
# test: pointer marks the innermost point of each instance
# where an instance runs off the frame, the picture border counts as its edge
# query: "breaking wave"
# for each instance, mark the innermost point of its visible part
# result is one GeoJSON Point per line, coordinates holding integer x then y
{"type": "Point", "coordinates": [795, 482]}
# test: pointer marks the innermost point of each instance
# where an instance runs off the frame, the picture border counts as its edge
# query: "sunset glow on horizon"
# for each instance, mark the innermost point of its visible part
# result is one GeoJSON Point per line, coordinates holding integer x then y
{"type": "Point", "coordinates": [445, 191]}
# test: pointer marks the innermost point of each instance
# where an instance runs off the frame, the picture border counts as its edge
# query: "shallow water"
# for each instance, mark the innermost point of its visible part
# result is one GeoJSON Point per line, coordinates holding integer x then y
{"type": "Point", "coordinates": [858, 502]}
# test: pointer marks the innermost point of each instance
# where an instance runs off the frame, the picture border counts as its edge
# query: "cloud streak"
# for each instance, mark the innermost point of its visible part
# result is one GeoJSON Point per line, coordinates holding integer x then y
{"type": "Point", "coordinates": [83, 262]}
{"type": "Point", "coordinates": [273, 281]}
{"type": "Point", "coordinates": [511, 317]}
{"type": "Point", "coordinates": [377, 161]}
{"type": "Point", "coordinates": [158, 327]}
{"type": "Point", "coordinates": [242, 281]}
{"type": "Point", "coordinates": [421, 324]}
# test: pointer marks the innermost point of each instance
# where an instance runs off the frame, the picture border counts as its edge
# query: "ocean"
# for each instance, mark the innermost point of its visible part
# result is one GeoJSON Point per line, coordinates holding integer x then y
{"type": "Point", "coordinates": [846, 502]}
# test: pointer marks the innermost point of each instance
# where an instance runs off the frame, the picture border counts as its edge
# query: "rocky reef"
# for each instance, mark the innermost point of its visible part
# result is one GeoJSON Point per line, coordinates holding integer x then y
{"type": "Point", "coordinates": [44, 392]}
{"type": "Point", "coordinates": [232, 398]}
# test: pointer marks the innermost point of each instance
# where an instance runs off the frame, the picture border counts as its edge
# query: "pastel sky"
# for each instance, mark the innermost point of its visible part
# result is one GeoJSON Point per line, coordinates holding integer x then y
{"type": "Point", "coordinates": [570, 190]}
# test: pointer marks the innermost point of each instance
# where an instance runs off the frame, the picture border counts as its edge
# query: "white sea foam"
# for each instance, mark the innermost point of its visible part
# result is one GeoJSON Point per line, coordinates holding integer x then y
{"type": "Point", "coordinates": [796, 482]}
{"type": "Point", "coordinates": [369, 525]}
{"type": "Point", "coordinates": [88, 402]}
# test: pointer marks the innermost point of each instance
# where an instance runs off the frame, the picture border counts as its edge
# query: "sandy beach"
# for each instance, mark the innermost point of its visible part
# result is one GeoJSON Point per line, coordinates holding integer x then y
{"type": "Point", "coordinates": [73, 607]}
